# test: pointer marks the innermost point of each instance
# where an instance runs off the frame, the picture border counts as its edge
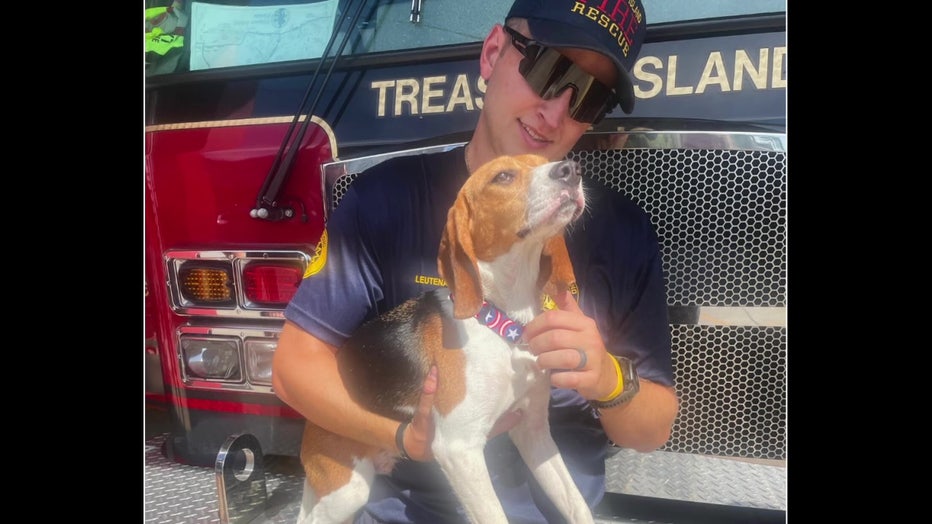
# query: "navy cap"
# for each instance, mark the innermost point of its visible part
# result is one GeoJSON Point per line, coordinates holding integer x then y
{"type": "Point", "coordinates": [612, 27]}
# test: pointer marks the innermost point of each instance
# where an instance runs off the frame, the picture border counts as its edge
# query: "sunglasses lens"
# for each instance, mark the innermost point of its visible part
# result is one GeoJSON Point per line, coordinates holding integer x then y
{"type": "Point", "coordinates": [552, 73]}
{"type": "Point", "coordinates": [545, 72]}
{"type": "Point", "coordinates": [591, 101]}
{"type": "Point", "coordinates": [531, 54]}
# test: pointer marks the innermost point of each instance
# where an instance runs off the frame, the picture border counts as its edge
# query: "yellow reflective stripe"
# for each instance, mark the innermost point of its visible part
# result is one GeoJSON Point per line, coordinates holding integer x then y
{"type": "Point", "coordinates": [153, 12]}
{"type": "Point", "coordinates": [158, 42]}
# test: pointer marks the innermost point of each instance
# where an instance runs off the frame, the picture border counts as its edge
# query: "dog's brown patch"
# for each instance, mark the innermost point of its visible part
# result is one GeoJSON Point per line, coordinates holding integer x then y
{"type": "Point", "coordinates": [556, 271]}
{"type": "Point", "coordinates": [496, 210]}
{"type": "Point", "coordinates": [328, 458]}
{"type": "Point", "coordinates": [483, 223]}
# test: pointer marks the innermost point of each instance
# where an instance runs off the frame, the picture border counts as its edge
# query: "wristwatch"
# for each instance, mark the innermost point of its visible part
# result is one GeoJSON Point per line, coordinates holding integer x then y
{"type": "Point", "coordinates": [629, 375]}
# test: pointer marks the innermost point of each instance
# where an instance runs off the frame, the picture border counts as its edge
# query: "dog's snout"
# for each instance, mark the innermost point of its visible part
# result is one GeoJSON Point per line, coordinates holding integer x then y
{"type": "Point", "coordinates": [567, 171]}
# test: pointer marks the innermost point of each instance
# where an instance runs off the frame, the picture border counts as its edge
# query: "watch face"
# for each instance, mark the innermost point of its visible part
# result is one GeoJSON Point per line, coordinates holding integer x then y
{"type": "Point", "coordinates": [631, 385]}
{"type": "Point", "coordinates": [630, 375]}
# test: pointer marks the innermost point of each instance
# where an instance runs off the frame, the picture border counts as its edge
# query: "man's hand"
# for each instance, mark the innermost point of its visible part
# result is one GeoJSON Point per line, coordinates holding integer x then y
{"type": "Point", "coordinates": [420, 432]}
{"type": "Point", "coordinates": [559, 338]}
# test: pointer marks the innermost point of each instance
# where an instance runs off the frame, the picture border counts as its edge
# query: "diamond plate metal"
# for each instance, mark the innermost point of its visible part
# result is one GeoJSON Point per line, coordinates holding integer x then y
{"type": "Point", "coordinates": [697, 478]}
{"type": "Point", "coordinates": [180, 494]}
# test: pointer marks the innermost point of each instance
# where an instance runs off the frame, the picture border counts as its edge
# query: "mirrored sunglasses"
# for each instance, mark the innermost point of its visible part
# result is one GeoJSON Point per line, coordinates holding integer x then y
{"type": "Point", "coordinates": [549, 73]}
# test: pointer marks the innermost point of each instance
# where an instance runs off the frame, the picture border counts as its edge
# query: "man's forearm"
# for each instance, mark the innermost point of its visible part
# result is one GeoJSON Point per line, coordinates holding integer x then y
{"type": "Point", "coordinates": [305, 376]}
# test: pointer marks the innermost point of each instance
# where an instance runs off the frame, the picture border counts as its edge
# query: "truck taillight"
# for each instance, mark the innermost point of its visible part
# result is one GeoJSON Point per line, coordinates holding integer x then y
{"type": "Point", "coordinates": [271, 284]}
{"type": "Point", "coordinates": [234, 284]}
{"type": "Point", "coordinates": [207, 283]}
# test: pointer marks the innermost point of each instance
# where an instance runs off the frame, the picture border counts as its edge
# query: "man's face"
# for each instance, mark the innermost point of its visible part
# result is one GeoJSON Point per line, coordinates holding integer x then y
{"type": "Point", "coordinates": [515, 118]}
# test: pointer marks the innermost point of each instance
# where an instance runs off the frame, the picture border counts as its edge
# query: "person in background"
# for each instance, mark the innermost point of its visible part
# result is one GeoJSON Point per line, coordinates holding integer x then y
{"type": "Point", "coordinates": [554, 68]}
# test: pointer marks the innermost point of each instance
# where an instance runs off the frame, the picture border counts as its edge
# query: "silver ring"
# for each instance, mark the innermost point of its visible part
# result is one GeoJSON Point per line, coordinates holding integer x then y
{"type": "Point", "coordinates": [583, 360]}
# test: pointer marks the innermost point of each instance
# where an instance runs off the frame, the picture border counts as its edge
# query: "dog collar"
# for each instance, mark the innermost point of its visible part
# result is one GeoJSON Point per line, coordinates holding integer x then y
{"type": "Point", "coordinates": [496, 320]}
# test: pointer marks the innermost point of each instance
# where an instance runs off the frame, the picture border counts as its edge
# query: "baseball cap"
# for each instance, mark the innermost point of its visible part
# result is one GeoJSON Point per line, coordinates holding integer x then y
{"type": "Point", "coordinates": [615, 28]}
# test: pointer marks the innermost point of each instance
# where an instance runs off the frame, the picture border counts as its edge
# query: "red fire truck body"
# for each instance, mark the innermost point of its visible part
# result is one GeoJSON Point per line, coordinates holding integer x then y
{"type": "Point", "coordinates": [201, 182]}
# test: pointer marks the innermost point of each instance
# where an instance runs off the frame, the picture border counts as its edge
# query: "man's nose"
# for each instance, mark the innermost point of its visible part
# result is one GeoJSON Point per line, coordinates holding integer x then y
{"type": "Point", "coordinates": [557, 108]}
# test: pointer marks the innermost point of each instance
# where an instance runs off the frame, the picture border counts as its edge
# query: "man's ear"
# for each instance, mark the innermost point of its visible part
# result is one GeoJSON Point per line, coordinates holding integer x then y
{"type": "Point", "coordinates": [491, 50]}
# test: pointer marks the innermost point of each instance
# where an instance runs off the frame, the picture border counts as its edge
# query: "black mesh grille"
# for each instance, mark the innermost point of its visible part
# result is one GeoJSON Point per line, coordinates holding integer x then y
{"type": "Point", "coordinates": [340, 185]}
{"type": "Point", "coordinates": [721, 219]}
{"type": "Point", "coordinates": [720, 215]}
{"type": "Point", "coordinates": [732, 387]}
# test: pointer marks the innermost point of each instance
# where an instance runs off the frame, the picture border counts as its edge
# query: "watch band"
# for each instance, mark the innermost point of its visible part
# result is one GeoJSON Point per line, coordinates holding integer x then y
{"type": "Point", "coordinates": [629, 375]}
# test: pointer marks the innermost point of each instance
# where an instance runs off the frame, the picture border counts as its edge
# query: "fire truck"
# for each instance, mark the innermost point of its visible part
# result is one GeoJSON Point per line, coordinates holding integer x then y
{"type": "Point", "coordinates": [259, 114]}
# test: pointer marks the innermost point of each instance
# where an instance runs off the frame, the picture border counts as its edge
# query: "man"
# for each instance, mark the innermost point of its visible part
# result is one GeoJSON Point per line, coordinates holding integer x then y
{"type": "Point", "coordinates": [555, 67]}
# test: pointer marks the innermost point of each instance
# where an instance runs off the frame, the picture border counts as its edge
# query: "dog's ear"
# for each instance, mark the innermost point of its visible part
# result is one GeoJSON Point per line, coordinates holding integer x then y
{"type": "Point", "coordinates": [456, 262]}
{"type": "Point", "coordinates": [556, 269]}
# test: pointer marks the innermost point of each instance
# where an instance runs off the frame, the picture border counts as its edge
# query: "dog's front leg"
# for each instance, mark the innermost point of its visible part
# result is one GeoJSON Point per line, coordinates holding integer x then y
{"type": "Point", "coordinates": [338, 506]}
{"type": "Point", "coordinates": [337, 479]}
{"type": "Point", "coordinates": [463, 462]}
{"type": "Point", "coordinates": [539, 451]}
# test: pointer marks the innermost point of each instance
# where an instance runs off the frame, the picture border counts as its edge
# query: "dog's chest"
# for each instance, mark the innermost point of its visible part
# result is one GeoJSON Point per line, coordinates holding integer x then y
{"type": "Point", "coordinates": [494, 364]}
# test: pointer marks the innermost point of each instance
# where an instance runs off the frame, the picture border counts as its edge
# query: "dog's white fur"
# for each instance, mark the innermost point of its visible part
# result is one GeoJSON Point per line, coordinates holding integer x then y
{"type": "Point", "coordinates": [503, 243]}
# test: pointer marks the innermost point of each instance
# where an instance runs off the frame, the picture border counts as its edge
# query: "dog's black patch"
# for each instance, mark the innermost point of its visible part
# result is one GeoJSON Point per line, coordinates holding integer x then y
{"type": "Point", "coordinates": [381, 363]}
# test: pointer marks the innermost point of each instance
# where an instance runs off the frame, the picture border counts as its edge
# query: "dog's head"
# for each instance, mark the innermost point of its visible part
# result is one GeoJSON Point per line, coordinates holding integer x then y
{"type": "Point", "coordinates": [511, 211]}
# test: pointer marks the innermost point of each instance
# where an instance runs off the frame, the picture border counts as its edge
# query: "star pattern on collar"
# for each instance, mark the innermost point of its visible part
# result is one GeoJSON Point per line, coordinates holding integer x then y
{"type": "Point", "coordinates": [496, 320]}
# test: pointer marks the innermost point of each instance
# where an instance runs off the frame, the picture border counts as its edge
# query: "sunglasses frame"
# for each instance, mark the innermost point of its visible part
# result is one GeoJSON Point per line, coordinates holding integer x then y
{"type": "Point", "coordinates": [533, 51]}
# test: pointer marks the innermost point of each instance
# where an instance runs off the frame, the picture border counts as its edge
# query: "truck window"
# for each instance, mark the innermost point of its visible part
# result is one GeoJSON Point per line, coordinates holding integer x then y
{"type": "Point", "coordinates": [185, 36]}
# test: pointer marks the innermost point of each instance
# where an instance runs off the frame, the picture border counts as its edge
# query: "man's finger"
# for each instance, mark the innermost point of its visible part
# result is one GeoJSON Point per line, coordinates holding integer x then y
{"type": "Point", "coordinates": [430, 383]}
{"type": "Point", "coordinates": [566, 301]}
{"type": "Point", "coordinates": [422, 425]}
{"type": "Point", "coordinates": [422, 418]}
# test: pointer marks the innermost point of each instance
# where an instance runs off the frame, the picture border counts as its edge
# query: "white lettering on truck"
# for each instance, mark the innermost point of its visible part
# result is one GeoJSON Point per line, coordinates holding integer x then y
{"type": "Point", "coordinates": [438, 94]}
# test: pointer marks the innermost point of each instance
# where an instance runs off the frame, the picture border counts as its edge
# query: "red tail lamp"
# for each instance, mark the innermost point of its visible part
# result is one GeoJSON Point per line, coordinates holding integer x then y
{"type": "Point", "coordinates": [271, 283]}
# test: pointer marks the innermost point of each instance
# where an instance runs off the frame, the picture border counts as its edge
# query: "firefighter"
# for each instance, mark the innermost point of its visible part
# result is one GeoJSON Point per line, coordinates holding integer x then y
{"type": "Point", "coordinates": [621, 309]}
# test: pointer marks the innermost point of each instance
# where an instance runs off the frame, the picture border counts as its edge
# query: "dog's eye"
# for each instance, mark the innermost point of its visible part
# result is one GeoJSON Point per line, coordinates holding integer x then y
{"type": "Point", "coordinates": [503, 177]}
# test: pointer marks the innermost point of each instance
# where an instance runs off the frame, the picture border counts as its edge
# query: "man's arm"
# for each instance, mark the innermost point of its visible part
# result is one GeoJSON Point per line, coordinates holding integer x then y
{"type": "Point", "coordinates": [644, 422]}
{"type": "Point", "coordinates": [305, 376]}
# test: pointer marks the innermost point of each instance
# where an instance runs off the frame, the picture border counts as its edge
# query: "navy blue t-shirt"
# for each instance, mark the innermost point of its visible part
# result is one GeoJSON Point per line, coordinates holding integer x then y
{"type": "Point", "coordinates": [381, 249]}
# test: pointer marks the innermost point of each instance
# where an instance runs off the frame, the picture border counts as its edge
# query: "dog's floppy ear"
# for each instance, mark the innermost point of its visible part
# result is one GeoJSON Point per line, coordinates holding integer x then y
{"type": "Point", "coordinates": [556, 269]}
{"type": "Point", "coordinates": [456, 262]}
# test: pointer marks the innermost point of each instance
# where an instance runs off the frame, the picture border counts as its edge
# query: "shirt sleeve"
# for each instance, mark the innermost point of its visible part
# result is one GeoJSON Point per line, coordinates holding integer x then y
{"type": "Point", "coordinates": [331, 303]}
{"type": "Point", "coordinates": [381, 244]}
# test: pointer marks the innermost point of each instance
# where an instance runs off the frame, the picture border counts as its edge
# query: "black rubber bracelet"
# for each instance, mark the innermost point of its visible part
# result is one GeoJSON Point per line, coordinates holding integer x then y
{"type": "Point", "coordinates": [400, 440]}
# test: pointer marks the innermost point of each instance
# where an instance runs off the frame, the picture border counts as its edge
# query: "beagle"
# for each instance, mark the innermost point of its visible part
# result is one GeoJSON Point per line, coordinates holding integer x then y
{"type": "Point", "coordinates": [501, 252]}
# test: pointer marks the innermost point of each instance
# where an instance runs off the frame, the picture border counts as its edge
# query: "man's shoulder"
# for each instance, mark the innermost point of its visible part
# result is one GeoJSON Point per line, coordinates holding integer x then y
{"type": "Point", "coordinates": [395, 170]}
{"type": "Point", "coordinates": [604, 199]}
{"type": "Point", "coordinates": [405, 169]}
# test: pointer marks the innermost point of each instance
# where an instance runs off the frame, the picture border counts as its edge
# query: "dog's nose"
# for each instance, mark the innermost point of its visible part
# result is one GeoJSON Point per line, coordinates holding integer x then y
{"type": "Point", "coordinates": [567, 171]}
